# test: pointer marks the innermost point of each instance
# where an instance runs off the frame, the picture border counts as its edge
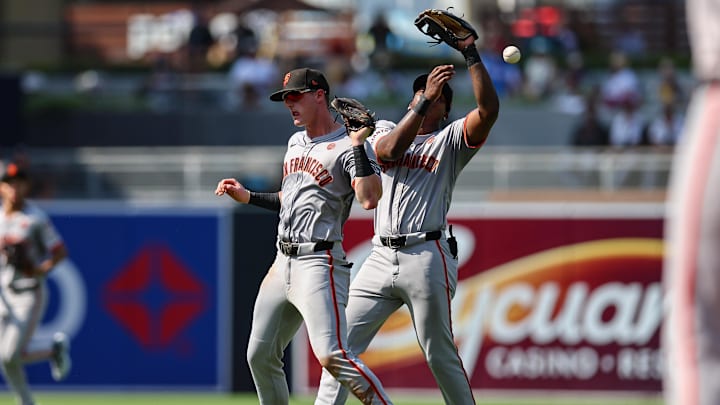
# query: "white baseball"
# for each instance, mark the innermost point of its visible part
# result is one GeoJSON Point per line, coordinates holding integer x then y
{"type": "Point", "coordinates": [511, 54]}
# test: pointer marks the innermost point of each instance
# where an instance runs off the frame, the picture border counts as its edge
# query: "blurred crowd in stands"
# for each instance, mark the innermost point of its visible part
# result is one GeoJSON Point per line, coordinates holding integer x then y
{"type": "Point", "coordinates": [612, 102]}
{"type": "Point", "coordinates": [614, 106]}
{"type": "Point", "coordinates": [611, 99]}
{"type": "Point", "coordinates": [625, 111]}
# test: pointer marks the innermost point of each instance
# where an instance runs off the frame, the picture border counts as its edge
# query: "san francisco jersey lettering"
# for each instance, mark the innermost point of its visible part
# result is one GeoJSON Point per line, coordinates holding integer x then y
{"type": "Point", "coordinates": [309, 165]}
{"type": "Point", "coordinates": [412, 161]}
{"type": "Point", "coordinates": [326, 166]}
{"type": "Point", "coordinates": [413, 199]}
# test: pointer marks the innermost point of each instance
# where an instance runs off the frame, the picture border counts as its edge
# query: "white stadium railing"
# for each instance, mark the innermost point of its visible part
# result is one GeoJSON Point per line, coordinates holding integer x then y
{"type": "Point", "coordinates": [191, 173]}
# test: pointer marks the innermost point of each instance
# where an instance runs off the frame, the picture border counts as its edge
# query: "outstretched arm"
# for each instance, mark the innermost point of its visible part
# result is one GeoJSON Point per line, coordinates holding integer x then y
{"type": "Point", "coordinates": [239, 193]}
{"type": "Point", "coordinates": [444, 26]}
{"type": "Point", "coordinates": [393, 145]}
{"type": "Point", "coordinates": [480, 120]}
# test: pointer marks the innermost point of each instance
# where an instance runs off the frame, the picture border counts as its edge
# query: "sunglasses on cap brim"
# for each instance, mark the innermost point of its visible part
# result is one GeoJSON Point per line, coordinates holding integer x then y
{"type": "Point", "coordinates": [295, 95]}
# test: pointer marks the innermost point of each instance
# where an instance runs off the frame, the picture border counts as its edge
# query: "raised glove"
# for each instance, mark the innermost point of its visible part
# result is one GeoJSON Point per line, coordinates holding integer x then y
{"type": "Point", "coordinates": [444, 26]}
{"type": "Point", "coordinates": [355, 115]}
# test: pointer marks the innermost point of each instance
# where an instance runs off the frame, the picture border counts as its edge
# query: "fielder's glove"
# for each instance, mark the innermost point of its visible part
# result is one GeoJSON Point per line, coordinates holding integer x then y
{"type": "Point", "coordinates": [355, 115]}
{"type": "Point", "coordinates": [17, 256]}
{"type": "Point", "coordinates": [444, 26]}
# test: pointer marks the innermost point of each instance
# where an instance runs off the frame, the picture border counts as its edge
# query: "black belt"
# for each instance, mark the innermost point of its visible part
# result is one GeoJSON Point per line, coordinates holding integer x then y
{"type": "Point", "coordinates": [291, 249]}
{"type": "Point", "coordinates": [399, 241]}
{"type": "Point", "coordinates": [25, 284]}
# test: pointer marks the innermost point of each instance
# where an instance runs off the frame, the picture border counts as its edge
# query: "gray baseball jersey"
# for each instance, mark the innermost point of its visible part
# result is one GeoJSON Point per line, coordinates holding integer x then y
{"type": "Point", "coordinates": [691, 277]}
{"type": "Point", "coordinates": [417, 189]}
{"type": "Point", "coordinates": [310, 277]}
{"type": "Point", "coordinates": [23, 297]}
{"type": "Point", "coordinates": [421, 272]}
{"type": "Point", "coordinates": [317, 191]}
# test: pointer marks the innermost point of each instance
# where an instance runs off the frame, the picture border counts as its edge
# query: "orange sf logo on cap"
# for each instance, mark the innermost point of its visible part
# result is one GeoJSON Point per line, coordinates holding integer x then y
{"type": "Point", "coordinates": [286, 79]}
{"type": "Point", "coordinates": [12, 169]}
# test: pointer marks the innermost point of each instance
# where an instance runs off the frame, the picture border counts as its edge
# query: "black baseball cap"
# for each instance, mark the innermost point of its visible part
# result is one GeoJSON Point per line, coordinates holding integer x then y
{"type": "Point", "coordinates": [13, 172]}
{"type": "Point", "coordinates": [447, 92]}
{"type": "Point", "coordinates": [301, 79]}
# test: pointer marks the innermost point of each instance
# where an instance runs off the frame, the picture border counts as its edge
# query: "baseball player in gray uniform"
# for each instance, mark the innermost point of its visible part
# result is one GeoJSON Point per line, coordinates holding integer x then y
{"type": "Point", "coordinates": [324, 168]}
{"type": "Point", "coordinates": [30, 248]}
{"type": "Point", "coordinates": [412, 261]}
{"type": "Point", "coordinates": [691, 332]}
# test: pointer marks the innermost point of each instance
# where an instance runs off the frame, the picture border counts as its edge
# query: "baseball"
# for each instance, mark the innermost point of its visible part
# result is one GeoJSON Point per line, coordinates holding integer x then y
{"type": "Point", "coordinates": [511, 54]}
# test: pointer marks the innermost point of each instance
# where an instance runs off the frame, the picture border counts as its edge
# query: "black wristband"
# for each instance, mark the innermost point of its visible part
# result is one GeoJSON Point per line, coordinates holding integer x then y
{"type": "Point", "coordinates": [269, 201]}
{"type": "Point", "coordinates": [363, 167]}
{"type": "Point", "coordinates": [422, 106]}
{"type": "Point", "coordinates": [471, 55]}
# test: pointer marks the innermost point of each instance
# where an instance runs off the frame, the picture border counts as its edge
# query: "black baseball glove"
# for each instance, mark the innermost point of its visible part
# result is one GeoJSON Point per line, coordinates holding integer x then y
{"type": "Point", "coordinates": [444, 26]}
{"type": "Point", "coordinates": [355, 115]}
{"type": "Point", "coordinates": [18, 257]}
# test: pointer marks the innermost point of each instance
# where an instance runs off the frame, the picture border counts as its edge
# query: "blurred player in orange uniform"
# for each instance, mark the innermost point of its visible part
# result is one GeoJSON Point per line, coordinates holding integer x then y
{"type": "Point", "coordinates": [691, 332]}
{"type": "Point", "coordinates": [30, 248]}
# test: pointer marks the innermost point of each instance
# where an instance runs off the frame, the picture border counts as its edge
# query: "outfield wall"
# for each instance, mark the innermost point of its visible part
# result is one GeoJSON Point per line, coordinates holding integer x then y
{"type": "Point", "coordinates": [144, 296]}
{"type": "Point", "coordinates": [551, 296]}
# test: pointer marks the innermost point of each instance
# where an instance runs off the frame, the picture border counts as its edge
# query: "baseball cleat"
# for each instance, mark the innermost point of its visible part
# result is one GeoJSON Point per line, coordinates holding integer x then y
{"type": "Point", "coordinates": [60, 362]}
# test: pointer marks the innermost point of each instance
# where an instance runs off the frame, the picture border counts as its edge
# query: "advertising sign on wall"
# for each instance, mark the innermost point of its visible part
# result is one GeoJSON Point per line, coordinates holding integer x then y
{"type": "Point", "coordinates": [142, 297]}
{"type": "Point", "coordinates": [565, 298]}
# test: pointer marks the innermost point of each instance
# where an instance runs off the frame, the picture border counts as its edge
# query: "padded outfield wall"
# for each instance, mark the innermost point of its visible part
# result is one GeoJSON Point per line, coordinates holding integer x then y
{"type": "Point", "coordinates": [551, 296]}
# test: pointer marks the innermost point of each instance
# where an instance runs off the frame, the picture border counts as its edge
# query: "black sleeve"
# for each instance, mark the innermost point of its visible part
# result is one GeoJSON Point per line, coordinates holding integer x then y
{"type": "Point", "coordinates": [270, 201]}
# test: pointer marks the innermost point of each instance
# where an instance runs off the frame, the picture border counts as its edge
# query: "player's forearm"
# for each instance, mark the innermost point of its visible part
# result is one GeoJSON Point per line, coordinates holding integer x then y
{"type": "Point", "coordinates": [483, 118]}
{"type": "Point", "coordinates": [270, 201]}
{"type": "Point", "coordinates": [393, 145]}
{"type": "Point", "coordinates": [368, 191]}
{"type": "Point", "coordinates": [487, 98]}
{"type": "Point", "coordinates": [48, 264]}
{"type": "Point", "coordinates": [367, 184]}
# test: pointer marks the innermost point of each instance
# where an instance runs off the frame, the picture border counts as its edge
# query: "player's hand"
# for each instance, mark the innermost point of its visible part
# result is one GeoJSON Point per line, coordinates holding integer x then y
{"type": "Point", "coordinates": [234, 189]}
{"type": "Point", "coordinates": [31, 272]}
{"type": "Point", "coordinates": [436, 80]}
{"type": "Point", "coordinates": [358, 137]}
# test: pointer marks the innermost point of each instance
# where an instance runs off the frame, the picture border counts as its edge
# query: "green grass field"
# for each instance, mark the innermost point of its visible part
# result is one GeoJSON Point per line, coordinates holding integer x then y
{"type": "Point", "coordinates": [114, 398]}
